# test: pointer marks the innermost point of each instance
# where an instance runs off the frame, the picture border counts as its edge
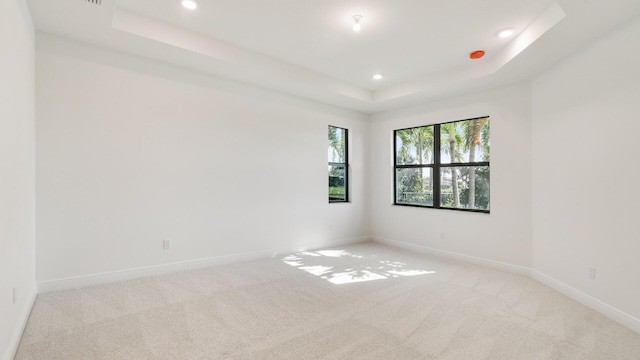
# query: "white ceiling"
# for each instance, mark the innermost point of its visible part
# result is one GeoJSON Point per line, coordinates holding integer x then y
{"type": "Point", "coordinates": [308, 49]}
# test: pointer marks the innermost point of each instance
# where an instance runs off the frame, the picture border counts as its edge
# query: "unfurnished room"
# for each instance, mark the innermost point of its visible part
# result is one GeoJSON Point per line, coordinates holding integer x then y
{"type": "Point", "coordinates": [336, 179]}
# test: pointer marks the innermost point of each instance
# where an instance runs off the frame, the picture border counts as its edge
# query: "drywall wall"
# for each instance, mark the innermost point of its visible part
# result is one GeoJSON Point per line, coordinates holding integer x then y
{"type": "Point", "coordinates": [586, 168]}
{"type": "Point", "coordinates": [503, 236]}
{"type": "Point", "coordinates": [132, 152]}
{"type": "Point", "coordinates": [17, 177]}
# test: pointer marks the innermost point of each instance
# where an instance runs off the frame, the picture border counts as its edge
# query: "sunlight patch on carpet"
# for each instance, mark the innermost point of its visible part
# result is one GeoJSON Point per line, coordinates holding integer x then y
{"type": "Point", "coordinates": [343, 267]}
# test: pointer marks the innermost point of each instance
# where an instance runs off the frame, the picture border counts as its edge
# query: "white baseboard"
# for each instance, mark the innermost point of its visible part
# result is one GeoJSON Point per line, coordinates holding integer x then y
{"type": "Point", "coordinates": [456, 256]}
{"type": "Point", "coordinates": [155, 270]}
{"type": "Point", "coordinates": [10, 353]}
{"type": "Point", "coordinates": [577, 295]}
{"type": "Point", "coordinates": [587, 300]}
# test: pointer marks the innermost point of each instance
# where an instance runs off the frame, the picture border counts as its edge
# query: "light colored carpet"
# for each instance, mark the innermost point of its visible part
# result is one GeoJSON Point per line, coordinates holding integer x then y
{"type": "Point", "coordinates": [363, 301]}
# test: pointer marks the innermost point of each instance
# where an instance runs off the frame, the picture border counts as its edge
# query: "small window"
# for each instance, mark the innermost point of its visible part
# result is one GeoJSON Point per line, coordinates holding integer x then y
{"type": "Point", "coordinates": [443, 166]}
{"type": "Point", "coordinates": [338, 165]}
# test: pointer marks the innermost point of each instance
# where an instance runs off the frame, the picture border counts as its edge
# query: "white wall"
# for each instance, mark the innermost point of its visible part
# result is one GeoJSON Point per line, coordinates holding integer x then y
{"type": "Point", "coordinates": [504, 236]}
{"type": "Point", "coordinates": [131, 152]}
{"type": "Point", "coordinates": [585, 170]}
{"type": "Point", "coordinates": [17, 178]}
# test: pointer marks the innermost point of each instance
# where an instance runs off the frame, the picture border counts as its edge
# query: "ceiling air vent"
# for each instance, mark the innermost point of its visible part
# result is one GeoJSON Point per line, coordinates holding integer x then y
{"type": "Point", "coordinates": [97, 2]}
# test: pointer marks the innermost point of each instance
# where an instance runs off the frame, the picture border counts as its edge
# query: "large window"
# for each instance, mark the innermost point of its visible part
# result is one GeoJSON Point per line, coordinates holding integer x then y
{"type": "Point", "coordinates": [338, 164]}
{"type": "Point", "coordinates": [443, 166]}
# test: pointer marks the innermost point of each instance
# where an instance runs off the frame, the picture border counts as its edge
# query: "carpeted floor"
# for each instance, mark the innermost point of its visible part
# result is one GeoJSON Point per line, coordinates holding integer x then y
{"type": "Point", "coordinates": [363, 301]}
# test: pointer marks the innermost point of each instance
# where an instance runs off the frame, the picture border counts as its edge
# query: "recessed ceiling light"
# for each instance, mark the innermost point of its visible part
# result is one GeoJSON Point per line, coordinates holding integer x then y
{"type": "Point", "coordinates": [356, 22]}
{"type": "Point", "coordinates": [377, 76]}
{"type": "Point", "coordinates": [505, 33]}
{"type": "Point", "coordinates": [190, 4]}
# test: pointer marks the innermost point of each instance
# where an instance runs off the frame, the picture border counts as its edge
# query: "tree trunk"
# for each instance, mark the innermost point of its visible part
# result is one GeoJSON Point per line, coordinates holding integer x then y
{"type": "Point", "coordinates": [454, 176]}
{"type": "Point", "coordinates": [472, 177]}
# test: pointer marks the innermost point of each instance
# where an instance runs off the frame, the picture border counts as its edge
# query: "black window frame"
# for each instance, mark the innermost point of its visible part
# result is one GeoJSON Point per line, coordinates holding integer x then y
{"type": "Point", "coordinates": [435, 167]}
{"type": "Point", "coordinates": [344, 165]}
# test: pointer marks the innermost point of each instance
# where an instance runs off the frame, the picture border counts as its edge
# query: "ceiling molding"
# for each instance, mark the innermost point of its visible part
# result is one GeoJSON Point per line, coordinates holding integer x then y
{"type": "Point", "coordinates": [406, 41]}
{"type": "Point", "coordinates": [273, 73]}
{"type": "Point", "coordinates": [263, 66]}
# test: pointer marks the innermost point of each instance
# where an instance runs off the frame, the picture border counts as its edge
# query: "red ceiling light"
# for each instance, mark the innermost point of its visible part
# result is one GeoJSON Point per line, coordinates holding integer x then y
{"type": "Point", "coordinates": [476, 54]}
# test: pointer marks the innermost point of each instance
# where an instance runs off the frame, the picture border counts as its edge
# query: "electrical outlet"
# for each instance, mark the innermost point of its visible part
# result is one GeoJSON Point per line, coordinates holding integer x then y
{"type": "Point", "coordinates": [442, 236]}
{"type": "Point", "coordinates": [592, 273]}
{"type": "Point", "coordinates": [166, 244]}
{"type": "Point", "coordinates": [14, 296]}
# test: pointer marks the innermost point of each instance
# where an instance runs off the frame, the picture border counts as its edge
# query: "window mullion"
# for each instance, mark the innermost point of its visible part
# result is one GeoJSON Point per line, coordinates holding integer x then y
{"type": "Point", "coordinates": [346, 165]}
{"type": "Point", "coordinates": [436, 167]}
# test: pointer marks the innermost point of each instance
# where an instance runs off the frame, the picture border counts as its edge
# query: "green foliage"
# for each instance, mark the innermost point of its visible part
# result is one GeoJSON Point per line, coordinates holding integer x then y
{"type": "Point", "coordinates": [486, 145]}
{"type": "Point", "coordinates": [336, 193]}
{"type": "Point", "coordinates": [481, 193]}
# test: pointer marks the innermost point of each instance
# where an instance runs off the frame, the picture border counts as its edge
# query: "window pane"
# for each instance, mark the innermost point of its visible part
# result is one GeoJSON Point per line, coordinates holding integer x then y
{"type": "Point", "coordinates": [465, 141]}
{"type": "Point", "coordinates": [455, 189]}
{"type": "Point", "coordinates": [414, 146]}
{"type": "Point", "coordinates": [337, 188]}
{"type": "Point", "coordinates": [414, 186]}
{"type": "Point", "coordinates": [337, 148]}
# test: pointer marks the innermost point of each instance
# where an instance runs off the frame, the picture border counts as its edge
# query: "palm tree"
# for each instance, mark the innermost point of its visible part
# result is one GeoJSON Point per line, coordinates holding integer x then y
{"type": "Point", "coordinates": [422, 139]}
{"type": "Point", "coordinates": [455, 142]}
{"type": "Point", "coordinates": [473, 139]}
